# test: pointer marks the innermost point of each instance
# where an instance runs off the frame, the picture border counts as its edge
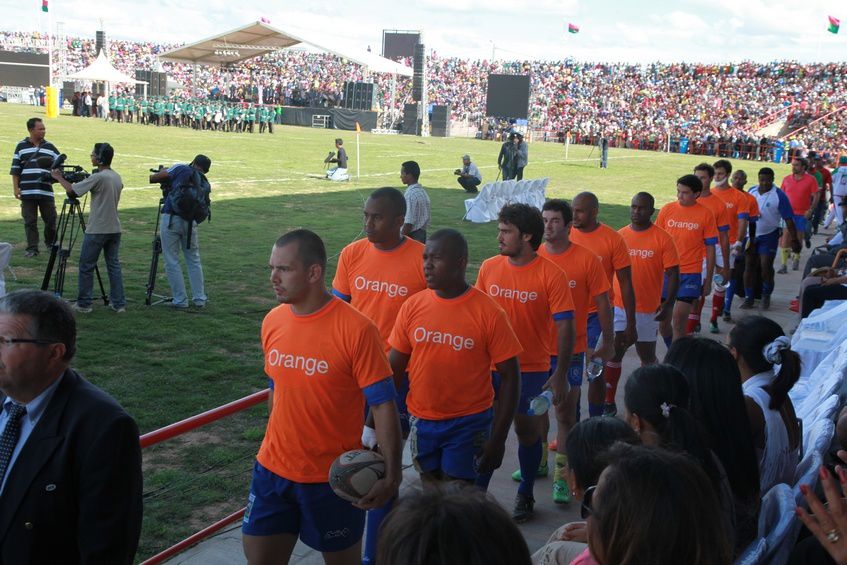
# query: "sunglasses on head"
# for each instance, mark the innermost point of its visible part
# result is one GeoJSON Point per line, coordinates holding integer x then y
{"type": "Point", "coordinates": [587, 497]}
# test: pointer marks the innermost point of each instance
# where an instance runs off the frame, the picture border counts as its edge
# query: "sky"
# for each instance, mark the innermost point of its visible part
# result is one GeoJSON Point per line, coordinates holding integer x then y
{"type": "Point", "coordinates": [637, 31]}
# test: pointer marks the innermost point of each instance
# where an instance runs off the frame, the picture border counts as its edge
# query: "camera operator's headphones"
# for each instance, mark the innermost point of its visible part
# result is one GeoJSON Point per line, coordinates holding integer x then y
{"type": "Point", "coordinates": [100, 150]}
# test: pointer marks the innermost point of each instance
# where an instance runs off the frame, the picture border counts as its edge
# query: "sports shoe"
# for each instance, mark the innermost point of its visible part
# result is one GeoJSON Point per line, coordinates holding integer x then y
{"type": "Point", "coordinates": [30, 253]}
{"type": "Point", "coordinates": [783, 270]}
{"type": "Point", "coordinates": [610, 409]}
{"type": "Point", "coordinates": [713, 328]}
{"type": "Point", "coordinates": [766, 301]}
{"type": "Point", "coordinates": [176, 306]}
{"type": "Point", "coordinates": [727, 317]}
{"type": "Point", "coordinates": [121, 310]}
{"type": "Point", "coordinates": [748, 304]}
{"type": "Point", "coordinates": [697, 328]}
{"type": "Point", "coordinates": [524, 508]}
{"type": "Point", "coordinates": [794, 306]}
{"type": "Point", "coordinates": [553, 445]}
{"type": "Point", "coordinates": [561, 493]}
{"type": "Point", "coordinates": [795, 265]}
{"type": "Point", "coordinates": [80, 309]}
{"type": "Point", "coordinates": [543, 471]}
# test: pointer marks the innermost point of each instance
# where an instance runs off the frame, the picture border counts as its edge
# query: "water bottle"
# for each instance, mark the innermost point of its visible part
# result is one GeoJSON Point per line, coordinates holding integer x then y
{"type": "Point", "coordinates": [595, 368]}
{"type": "Point", "coordinates": [540, 404]}
{"type": "Point", "coordinates": [719, 283]}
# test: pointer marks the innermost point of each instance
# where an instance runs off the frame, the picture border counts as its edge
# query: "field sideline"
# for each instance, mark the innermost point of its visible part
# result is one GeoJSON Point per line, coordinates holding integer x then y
{"type": "Point", "coordinates": [164, 365]}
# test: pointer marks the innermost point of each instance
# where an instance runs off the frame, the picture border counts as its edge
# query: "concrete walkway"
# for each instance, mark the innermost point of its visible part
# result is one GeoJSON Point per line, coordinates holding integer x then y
{"type": "Point", "coordinates": [225, 548]}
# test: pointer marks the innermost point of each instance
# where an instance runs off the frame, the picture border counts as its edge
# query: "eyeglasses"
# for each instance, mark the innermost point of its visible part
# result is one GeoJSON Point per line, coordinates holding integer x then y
{"type": "Point", "coordinates": [587, 497]}
{"type": "Point", "coordinates": [6, 341]}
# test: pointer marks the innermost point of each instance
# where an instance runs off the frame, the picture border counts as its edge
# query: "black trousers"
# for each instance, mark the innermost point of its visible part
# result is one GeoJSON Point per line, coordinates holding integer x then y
{"type": "Point", "coordinates": [418, 235]}
{"type": "Point", "coordinates": [30, 207]}
{"type": "Point", "coordinates": [469, 183]}
{"type": "Point", "coordinates": [814, 296]}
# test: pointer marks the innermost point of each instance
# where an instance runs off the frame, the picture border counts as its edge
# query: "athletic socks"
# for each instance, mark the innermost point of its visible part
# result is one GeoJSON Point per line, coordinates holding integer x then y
{"type": "Point", "coordinates": [482, 481]}
{"type": "Point", "coordinates": [668, 340]}
{"type": "Point", "coordinates": [749, 293]}
{"type": "Point", "coordinates": [375, 518]}
{"type": "Point", "coordinates": [595, 410]}
{"type": "Point", "coordinates": [783, 255]}
{"type": "Point", "coordinates": [561, 465]}
{"type": "Point", "coordinates": [730, 292]}
{"type": "Point", "coordinates": [612, 374]}
{"type": "Point", "coordinates": [717, 306]}
{"type": "Point", "coordinates": [529, 458]}
{"type": "Point", "coordinates": [767, 289]}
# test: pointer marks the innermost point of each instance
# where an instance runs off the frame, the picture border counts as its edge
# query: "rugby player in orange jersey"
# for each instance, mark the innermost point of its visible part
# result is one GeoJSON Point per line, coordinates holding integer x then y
{"type": "Point", "coordinates": [611, 249]}
{"type": "Point", "coordinates": [377, 275]}
{"type": "Point", "coordinates": [654, 260]}
{"type": "Point", "coordinates": [535, 294]}
{"type": "Point", "coordinates": [736, 283]}
{"type": "Point", "coordinates": [695, 234]}
{"type": "Point", "coordinates": [448, 337]}
{"type": "Point", "coordinates": [325, 360]}
{"type": "Point", "coordinates": [589, 287]}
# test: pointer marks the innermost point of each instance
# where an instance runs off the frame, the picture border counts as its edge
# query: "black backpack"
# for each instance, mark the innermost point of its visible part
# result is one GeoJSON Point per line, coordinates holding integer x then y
{"type": "Point", "coordinates": [191, 201]}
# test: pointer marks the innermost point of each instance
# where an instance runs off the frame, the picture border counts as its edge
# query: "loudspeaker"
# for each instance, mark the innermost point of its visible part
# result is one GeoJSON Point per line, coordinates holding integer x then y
{"type": "Point", "coordinates": [418, 72]}
{"type": "Point", "coordinates": [440, 121]}
{"type": "Point", "coordinates": [410, 119]}
{"type": "Point", "coordinates": [358, 95]}
{"type": "Point", "coordinates": [101, 41]}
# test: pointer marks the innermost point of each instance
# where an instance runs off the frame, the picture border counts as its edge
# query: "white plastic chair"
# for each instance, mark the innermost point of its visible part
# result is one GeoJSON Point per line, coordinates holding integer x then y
{"type": "Point", "coordinates": [820, 410]}
{"type": "Point", "coordinates": [754, 553]}
{"type": "Point", "coordinates": [776, 524]}
{"type": "Point", "coordinates": [817, 436]}
{"type": "Point", "coordinates": [806, 474]}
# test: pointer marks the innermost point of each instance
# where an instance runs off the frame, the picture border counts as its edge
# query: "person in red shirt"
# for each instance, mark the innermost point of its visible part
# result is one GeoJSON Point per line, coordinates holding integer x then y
{"type": "Point", "coordinates": [609, 246]}
{"type": "Point", "coordinates": [377, 275]}
{"type": "Point", "coordinates": [589, 287]}
{"type": "Point", "coordinates": [325, 361]}
{"type": "Point", "coordinates": [535, 295]}
{"type": "Point", "coordinates": [654, 261]}
{"type": "Point", "coordinates": [705, 172]}
{"type": "Point", "coordinates": [695, 233]}
{"type": "Point", "coordinates": [801, 188]}
{"type": "Point", "coordinates": [449, 336]}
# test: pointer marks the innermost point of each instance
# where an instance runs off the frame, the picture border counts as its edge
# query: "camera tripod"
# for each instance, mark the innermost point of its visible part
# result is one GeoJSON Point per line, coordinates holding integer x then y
{"type": "Point", "coordinates": [70, 223]}
{"type": "Point", "coordinates": [154, 262]}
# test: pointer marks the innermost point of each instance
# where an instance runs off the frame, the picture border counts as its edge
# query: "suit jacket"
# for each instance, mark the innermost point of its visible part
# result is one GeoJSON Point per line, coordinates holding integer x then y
{"type": "Point", "coordinates": [74, 493]}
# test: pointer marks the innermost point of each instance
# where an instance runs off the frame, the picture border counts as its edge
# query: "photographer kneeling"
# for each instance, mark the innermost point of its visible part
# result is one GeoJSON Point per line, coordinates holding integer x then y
{"type": "Point", "coordinates": [103, 231]}
{"type": "Point", "coordinates": [178, 232]}
{"type": "Point", "coordinates": [469, 175]}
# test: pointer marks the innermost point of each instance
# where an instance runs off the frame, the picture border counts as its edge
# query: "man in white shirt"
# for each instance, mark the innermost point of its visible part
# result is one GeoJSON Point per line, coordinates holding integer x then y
{"type": "Point", "coordinates": [469, 176]}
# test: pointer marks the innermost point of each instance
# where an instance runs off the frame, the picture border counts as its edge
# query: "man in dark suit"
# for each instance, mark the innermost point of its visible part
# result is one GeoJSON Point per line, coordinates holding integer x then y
{"type": "Point", "coordinates": [70, 461]}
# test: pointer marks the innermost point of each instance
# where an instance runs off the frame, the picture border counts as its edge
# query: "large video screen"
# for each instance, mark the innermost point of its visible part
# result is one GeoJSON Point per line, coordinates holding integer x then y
{"type": "Point", "coordinates": [24, 69]}
{"type": "Point", "coordinates": [399, 44]}
{"type": "Point", "coordinates": [507, 96]}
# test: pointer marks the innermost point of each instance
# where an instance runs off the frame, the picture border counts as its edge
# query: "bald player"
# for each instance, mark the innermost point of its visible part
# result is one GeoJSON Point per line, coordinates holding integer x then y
{"type": "Point", "coordinates": [448, 337]}
{"type": "Point", "coordinates": [325, 360]}
{"type": "Point", "coordinates": [535, 295]}
{"type": "Point", "coordinates": [377, 275]}
{"type": "Point", "coordinates": [610, 247]}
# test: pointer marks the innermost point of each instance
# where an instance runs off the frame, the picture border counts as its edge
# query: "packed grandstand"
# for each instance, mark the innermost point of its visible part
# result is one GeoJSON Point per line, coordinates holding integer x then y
{"type": "Point", "coordinates": [642, 106]}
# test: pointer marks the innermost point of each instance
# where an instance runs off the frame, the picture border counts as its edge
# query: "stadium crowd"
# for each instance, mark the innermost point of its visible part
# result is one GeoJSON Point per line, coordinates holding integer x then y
{"type": "Point", "coordinates": [713, 106]}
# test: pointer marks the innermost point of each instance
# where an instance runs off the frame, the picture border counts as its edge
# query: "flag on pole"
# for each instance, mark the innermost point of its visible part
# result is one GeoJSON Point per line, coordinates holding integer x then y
{"type": "Point", "coordinates": [44, 6]}
{"type": "Point", "coordinates": [834, 24]}
{"type": "Point", "coordinates": [572, 28]}
{"type": "Point", "coordinates": [265, 21]}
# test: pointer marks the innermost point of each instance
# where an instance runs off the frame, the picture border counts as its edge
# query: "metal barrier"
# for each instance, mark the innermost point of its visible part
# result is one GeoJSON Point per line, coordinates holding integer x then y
{"type": "Point", "coordinates": [187, 425]}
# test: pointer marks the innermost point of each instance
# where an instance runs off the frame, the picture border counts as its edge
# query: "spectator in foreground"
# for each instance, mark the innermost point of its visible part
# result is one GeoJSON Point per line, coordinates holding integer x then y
{"type": "Point", "coordinates": [650, 507]}
{"type": "Point", "coordinates": [769, 368]}
{"type": "Point", "coordinates": [450, 525]}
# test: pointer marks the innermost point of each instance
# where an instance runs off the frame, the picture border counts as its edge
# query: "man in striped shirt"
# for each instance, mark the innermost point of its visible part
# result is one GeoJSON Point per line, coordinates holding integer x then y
{"type": "Point", "coordinates": [417, 203]}
{"type": "Point", "coordinates": [32, 184]}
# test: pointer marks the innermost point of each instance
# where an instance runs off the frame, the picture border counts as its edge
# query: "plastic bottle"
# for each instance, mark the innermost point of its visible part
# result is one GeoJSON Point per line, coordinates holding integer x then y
{"type": "Point", "coordinates": [719, 282]}
{"type": "Point", "coordinates": [595, 368]}
{"type": "Point", "coordinates": [541, 403]}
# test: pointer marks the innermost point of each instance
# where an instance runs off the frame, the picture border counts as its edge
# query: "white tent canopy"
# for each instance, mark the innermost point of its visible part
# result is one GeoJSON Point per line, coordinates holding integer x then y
{"type": "Point", "coordinates": [101, 70]}
{"type": "Point", "coordinates": [260, 38]}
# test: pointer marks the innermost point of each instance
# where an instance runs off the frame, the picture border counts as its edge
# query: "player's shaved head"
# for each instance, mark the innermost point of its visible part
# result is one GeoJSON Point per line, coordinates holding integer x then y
{"type": "Point", "coordinates": [310, 247]}
{"type": "Point", "coordinates": [645, 199]}
{"type": "Point", "coordinates": [450, 241]}
{"type": "Point", "coordinates": [587, 200]}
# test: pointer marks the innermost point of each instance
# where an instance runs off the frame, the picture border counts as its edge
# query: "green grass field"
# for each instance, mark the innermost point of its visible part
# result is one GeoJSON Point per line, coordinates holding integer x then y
{"type": "Point", "coordinates": [163, 365]}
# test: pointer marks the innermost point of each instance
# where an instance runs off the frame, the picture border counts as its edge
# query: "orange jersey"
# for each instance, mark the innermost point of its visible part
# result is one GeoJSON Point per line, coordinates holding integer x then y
{"type": "Point", "coordinates": [453, 343]}
{"type": "Point", "coordinates": [800, 192]}
{"type": "Point", "coordinates": [652, 251]}
{"type": "Point", "coordinates": [692, 229]}
{"type": "Point", "coordinates": [738, 207]}
{"type": "Point", "coordinates": [319, 365]}
{"type": "Point", "coordinates": [718, 208]}
{"type": "Point", "coordinates": [586, 280]}
{"type": "Point", "coordinates": [609, 246]}
{"type": "Point", "coordinates": [533, 295]}
{"type": "Point", "coordinates": [378, 282]}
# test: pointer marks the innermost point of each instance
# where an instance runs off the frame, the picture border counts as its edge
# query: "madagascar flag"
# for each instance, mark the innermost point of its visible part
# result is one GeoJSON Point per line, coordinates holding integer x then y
{"type": "Point", "coordinates": [572, 28]}
{"type": "Point", "coordinates": [834, 24]}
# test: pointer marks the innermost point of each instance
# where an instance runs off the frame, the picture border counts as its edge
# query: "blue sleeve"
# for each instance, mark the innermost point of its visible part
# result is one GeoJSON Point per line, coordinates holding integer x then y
{"type": "Point", "coordinates": [559, 316]}
{"type": "Point", "coordinates": [270, 383]}
{"type": "Point", "coordinates": [784, 205]}
{"type": "Point", "coordinates": [342, 296]}
{"type": "Point", "coordinates": [711, 241]}
{"type": "Point", "coordinates": [380, 392]}
{"type": "Point", "coordinates": [743, 216]}
{"type": "Point", "coordinates": [723, 228]}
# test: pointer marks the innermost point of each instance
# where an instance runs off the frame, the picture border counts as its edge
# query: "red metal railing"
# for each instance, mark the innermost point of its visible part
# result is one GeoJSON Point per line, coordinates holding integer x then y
{"type": "Point", "coordinates": [181, 427]}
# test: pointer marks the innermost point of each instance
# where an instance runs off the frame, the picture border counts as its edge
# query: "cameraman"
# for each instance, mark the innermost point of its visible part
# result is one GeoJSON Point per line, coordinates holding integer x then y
{"type": "Point", "coordinates": [176, 233]}
{"type": "Point", "coordinates": [103, 231]}
{"type": "Point", "coordinates": [469, 175]}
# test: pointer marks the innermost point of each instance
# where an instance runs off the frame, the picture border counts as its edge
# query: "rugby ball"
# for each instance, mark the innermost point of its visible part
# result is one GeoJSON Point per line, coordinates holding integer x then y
{"type": "Point", "coordinates": [354, 473]}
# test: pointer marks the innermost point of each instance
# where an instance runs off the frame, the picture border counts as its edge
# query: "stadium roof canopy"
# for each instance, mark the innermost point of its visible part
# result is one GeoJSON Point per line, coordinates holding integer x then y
{"type": "Point", "coordinates": [101, 70]}
{"type": "Point", "coordinates": [259, 38]}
